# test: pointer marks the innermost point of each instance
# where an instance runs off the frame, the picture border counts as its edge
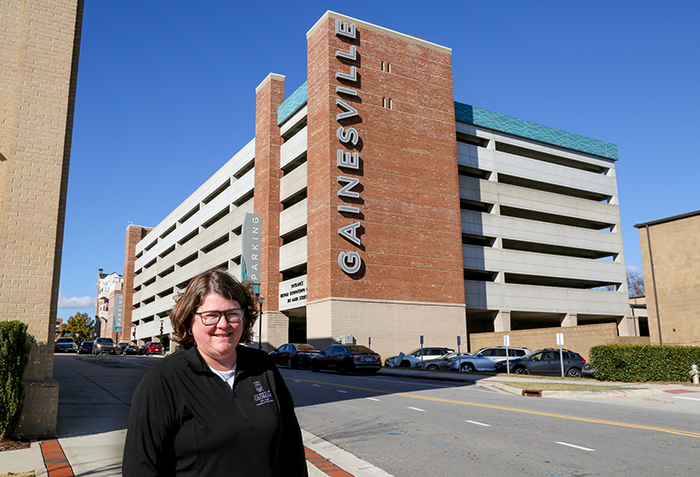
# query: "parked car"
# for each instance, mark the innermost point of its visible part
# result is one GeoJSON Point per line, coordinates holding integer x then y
{"type": "Point", "coordinates": [85, 347]}
{"type": "Point", "coordinates": [294, 355]}
{"type": "Point", "coordinates": [486, 359]}
{"type": "Point", "coordinates": [126, 348]}
{"type": "Point", "coordinates": [347, 358]}
{"type": "Point", "coordinates": [546, 362]}
{"type": "Point", "coordinates": [413, 359]}
{"type": "Point", "coordinates": [443, 362]}
{"type": "Point", "coordinates": [151, 347]}
{"type": "Point", "coordinates": [103, 346]}
{"type": "Point", "coordinates": [65, 345]}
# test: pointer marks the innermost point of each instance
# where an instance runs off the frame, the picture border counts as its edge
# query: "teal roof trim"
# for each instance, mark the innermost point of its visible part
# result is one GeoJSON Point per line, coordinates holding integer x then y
{"type": "Point", "coordinates": [526, 129]}
{"type": "Point", "coordinates": [292, 104]}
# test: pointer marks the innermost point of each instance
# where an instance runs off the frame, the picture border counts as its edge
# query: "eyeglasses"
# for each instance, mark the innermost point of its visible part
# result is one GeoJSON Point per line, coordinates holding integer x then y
{"type": "Point", "coordinates": [210, 318]}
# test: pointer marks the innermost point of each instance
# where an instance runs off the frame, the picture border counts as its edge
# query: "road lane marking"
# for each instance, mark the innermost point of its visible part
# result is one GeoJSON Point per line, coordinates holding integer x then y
{"type": "Point", "coordinates": [440, 445]}
{"type": "Point", "coordinates": [523, 411]}
{"type": "Point", "coordinates": [341, 391]}
{"type": "Point", "coordinates": [316, 385]}
{"type": "Point", "coordinates": [478, 423]}
{"type": "Point", "coordinates": [575, 446]}
{"type": "Point", "coordinates": [416, 409]}
{"type": "Point", "coordinates": [374, 399]}
{"type": "Point", "coordinates": [683, 397]}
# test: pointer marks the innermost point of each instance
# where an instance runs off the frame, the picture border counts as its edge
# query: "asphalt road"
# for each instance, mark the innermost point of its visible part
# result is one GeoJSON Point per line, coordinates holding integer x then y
{"type": "Point", "coordinates": [412, 427]}
{"type": "Point", "coordinates": [418, 428]}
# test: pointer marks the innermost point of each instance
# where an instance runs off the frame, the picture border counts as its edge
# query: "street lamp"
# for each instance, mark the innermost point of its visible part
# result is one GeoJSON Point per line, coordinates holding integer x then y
{"type": "Point", "coordinates": [261, 300]}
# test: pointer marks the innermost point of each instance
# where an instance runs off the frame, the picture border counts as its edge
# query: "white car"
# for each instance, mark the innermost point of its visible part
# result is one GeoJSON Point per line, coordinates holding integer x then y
{"type": "Point", "coordinates": [413, 359]}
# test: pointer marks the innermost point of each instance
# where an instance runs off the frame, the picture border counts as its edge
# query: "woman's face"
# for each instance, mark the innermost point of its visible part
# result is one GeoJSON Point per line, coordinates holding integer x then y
{"type": "Point", "coordinates": [217, 343]}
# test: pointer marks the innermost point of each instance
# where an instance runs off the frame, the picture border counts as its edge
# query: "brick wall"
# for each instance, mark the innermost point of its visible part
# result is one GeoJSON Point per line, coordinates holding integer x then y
{"type": "Point", "coordinates": [674, 284]}
{"type": "Point", "coordinates": [409, 211]}
{"type": "Point", "coordinates": [396, 95]}
{"type": "Point", "coordinates": [39, 61]}
{"type": "Point", "coordinates": [134, 233]}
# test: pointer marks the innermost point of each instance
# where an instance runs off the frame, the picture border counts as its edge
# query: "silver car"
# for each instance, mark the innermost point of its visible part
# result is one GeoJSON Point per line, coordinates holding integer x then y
{"type": "Point", "coordinates": [486, 359]}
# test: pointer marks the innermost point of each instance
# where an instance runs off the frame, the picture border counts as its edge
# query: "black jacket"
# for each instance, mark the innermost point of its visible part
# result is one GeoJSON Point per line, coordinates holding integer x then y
{"type": "Point", "coordinates": [186, 421]}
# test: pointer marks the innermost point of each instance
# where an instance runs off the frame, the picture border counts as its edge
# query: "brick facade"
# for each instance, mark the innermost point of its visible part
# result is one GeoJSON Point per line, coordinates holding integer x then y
{"type": "Point", "coordinates": [671, 261]}
{"type": "Point", "coordinates": [396, 95]}
{"type": "Point", "coordinates": [39, 61]}
{"type": "Point", "coordinates": [134, 234]}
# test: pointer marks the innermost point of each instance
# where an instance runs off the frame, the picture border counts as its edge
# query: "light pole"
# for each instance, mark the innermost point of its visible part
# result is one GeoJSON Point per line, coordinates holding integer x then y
{"type": "Point", "coordinates": [261, 300]}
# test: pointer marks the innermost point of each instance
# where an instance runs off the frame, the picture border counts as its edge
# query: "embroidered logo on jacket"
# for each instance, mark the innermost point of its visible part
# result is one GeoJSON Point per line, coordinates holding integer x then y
{"type": "Point", "coordinates": [263, 397]}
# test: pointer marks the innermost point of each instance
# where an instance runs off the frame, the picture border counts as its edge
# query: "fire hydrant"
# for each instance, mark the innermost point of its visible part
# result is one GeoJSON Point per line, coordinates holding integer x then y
{"type": "Point", "coordinates": [694, 373]}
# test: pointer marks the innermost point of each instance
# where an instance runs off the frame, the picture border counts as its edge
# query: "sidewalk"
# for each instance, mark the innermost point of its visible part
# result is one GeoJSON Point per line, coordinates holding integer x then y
{"type": "Point", "coordinates": [93, 413]}
{"type": "Point", "coordinates": [83, 449]}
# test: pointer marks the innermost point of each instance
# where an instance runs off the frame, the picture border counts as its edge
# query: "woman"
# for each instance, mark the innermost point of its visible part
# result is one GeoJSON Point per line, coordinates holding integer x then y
{"type": "Point", "coordinates": [213, 408]}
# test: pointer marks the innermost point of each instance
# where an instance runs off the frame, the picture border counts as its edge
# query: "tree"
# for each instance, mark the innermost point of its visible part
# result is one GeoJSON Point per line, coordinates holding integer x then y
{"type": "Point", "coordinates": [635, 283]}
{"type": "Point", "coordinates": [80, 326]}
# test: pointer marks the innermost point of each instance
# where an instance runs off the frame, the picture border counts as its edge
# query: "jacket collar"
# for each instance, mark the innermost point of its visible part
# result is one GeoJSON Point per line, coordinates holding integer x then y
{"type": "Point", "coordinates": [197, 364]}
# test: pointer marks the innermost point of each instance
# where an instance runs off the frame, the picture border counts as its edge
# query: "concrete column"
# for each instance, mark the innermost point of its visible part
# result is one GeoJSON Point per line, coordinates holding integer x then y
{"type": "Point", "coordinates": [570, 319]}
{"type": "Point", "coordinates": [502, 321]}
{"type": "Point", "coordinates": [628, 326]}
{"type": "Point", "coordinates": [275, 329]}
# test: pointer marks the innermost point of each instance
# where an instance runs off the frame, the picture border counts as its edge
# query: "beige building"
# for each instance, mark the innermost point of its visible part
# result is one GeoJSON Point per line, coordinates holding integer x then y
{"type": "Point", "coordinates": [39, 45]}
{"type": "Point", "coordinates": [671, 260]}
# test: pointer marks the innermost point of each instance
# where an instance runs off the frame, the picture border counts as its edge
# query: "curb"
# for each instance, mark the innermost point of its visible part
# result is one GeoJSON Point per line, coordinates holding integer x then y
{"type": "Point", "coordinates": [534, 392]}
{"type": "Point", "coordinates": [55, 460]}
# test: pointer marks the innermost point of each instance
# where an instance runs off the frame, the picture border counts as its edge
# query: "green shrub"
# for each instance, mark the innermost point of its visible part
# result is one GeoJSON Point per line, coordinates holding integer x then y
{"type": "Point", "coordinates": [14, 356]}
{"type": "Point", "coordinates": [640, 363]}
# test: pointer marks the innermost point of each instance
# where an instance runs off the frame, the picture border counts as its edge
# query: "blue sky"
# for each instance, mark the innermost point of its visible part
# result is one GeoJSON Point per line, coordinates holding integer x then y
{"type": "Point", "coordinates": [166, 95]}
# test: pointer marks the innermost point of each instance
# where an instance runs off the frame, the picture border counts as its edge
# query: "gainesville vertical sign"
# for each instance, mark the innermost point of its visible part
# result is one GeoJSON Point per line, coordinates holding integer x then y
{"type": "Point", "coordinates": [350, 261]}
{"type": "Point", "coordinates": [251, 240]}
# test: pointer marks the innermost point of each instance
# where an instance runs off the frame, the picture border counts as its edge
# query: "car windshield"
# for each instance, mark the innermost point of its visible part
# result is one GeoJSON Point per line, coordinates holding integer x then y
{"type": "Point", "coordinates": [64, 340]}
{"type": "Point", "coordinates": [306, 347]}
{"type": "Point", "coordinates": [360, 349]}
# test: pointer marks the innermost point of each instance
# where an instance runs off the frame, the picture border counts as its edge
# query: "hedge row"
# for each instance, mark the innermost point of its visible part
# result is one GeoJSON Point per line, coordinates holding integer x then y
{"type": "Point", "coordinates": [14, 356]}
{"type": "Point", "coordinates": [640, 363]}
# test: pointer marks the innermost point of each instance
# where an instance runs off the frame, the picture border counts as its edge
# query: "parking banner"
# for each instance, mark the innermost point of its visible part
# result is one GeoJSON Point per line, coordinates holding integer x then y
{"type": "Point", "coordinates": [251, 244]}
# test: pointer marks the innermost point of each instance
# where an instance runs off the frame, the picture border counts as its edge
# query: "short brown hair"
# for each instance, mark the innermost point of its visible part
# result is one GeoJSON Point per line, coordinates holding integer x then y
{"type": "Point", "coordinates": [213, 281]}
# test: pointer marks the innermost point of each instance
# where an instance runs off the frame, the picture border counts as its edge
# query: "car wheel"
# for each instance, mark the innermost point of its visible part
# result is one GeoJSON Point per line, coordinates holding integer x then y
{"type": "Point", "coordinates": [147, 353]}
{"type": "Point", "coordinates": [574, 373]}
{"type": "Point", "coordinates": [433, 367]}
{"type": "Point", "coordinates": [343, 368]}
{"type": "Point", "coordinates": [520, 370]}
{"type": "Point", "coordinates": [405, 364]}
{"type": "Point", "coordinates": [314, 367]}
{"type": "Point", "coordinates": [289, 363]}
{"type": "Point", "coordinates": [468, 368]}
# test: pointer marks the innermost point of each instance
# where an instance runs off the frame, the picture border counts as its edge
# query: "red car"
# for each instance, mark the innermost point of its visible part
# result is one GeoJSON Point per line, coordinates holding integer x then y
{"type": "Point", "coordinates": [151, 348]}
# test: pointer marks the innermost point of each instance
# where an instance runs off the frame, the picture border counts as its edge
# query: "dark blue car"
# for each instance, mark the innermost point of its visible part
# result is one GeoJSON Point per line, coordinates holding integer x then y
{"type": "Point", "coordinates": [347, 358]}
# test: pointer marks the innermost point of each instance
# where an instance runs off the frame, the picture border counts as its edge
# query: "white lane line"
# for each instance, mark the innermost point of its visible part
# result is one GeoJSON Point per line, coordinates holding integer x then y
{"type": "Point", "coordinates": [416, 409]}
{"type": "Point", "coordinates": [373, 399]}
{"type": "Point", "coordinates": [688, 398]}
{"type": "Point", "coordinates": [316, 385]}
{"type": "Point", "coordinates": [576, 447]}
{"type": "Point", "coordinates": [478, 423]}
{"type": "Point", "coordinates": [341, 391]}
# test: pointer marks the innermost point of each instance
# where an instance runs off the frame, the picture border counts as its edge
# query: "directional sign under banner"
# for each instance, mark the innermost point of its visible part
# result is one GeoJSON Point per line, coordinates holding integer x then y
{"type": "Point", "coordinates": [251, 245]}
